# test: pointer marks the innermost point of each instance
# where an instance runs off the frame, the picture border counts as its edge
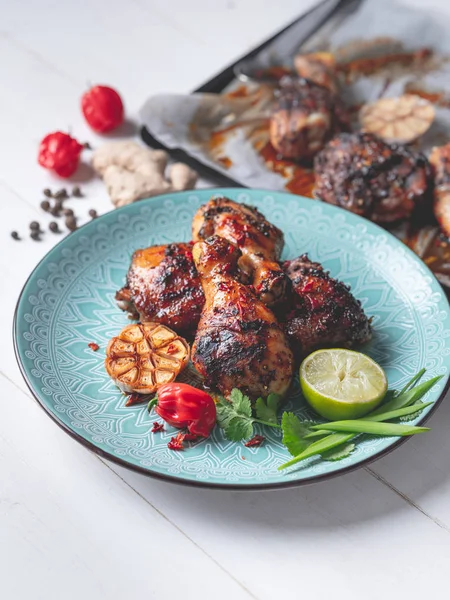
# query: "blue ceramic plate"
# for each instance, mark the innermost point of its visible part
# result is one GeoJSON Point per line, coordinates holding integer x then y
{"type": "Point", "coordinates": [69, 301]}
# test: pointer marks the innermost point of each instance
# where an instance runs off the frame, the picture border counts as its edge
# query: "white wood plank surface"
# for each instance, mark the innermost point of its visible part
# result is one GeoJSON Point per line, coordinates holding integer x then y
{"type": "Point", "coordinates": [73, 526]}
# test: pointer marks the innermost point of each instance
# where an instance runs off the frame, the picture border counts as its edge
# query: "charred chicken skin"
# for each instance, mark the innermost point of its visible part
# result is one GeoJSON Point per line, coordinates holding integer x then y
{"type": "Point", "coordinates": [369, 177]}
{"type": "Point", "coordinates": [323, 312]}
{"type": "Point", "coordinates": [440, 162]}
{"type": "Point", "coordinates": [163, 287]}
{"type": "Point", "coordinates": [304, 118]}
{"type": "Point", "coordinates": [239, 343]}
{"type": "Point", "coordinates": [259, 241]}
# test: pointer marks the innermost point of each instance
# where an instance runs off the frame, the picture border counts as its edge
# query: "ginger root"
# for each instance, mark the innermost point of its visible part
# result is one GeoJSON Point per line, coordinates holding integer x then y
{"type": "Point", "coordinates": [132, 172]}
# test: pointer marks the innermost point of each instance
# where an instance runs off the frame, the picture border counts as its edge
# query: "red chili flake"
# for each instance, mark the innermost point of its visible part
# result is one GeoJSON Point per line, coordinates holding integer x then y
{"type": "Point", "coordinates": [171, 349]}
{"type": "Point", "coordinates": [243, 458]}
{"type": "Point", "coordinates": [157, 427]}
{"type": "Point", "coordinates": [190, 437]}
{"type": "Point", "coordinates": [308, 286]}
{"type": "Point", "coordinates": [176, 443]}
{"type": "Point", "coordinates": [93, 346]}
{"type": "Point", "coordinates": [135, 399]}
{"type": "Point", "coordinates": [257, 440]}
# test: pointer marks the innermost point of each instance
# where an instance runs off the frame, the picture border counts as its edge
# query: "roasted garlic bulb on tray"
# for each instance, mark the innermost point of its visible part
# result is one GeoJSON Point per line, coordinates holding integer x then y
{"type": "Point", "coordinates": [401, 119]}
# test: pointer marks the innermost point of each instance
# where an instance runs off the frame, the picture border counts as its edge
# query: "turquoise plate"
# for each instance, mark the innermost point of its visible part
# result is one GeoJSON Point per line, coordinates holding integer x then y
{"type": "Point", "coordinates": [68, 301]}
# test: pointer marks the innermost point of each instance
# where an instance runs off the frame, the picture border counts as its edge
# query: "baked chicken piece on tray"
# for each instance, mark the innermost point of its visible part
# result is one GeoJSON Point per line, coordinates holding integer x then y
{"type": "Point", "coordinates": [323, 312]}
{"type": "Point", "coordinates": [259, 241]}
{"type": "Point", "coordinates": [163, 286]}
{"type": "Point", "coordinates": [239, 343]}
{"type": "Point", "coordinates": [363, 174]}
{"type": "Point", "coordinates": [305, 116]}
{"type": "Point", "coordinates": [440, 161]}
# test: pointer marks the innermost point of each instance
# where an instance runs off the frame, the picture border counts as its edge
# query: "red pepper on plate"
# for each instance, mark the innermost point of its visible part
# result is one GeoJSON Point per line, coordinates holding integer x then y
{"type": "Point", "coordinates": [182, 405]}
{"type": "Point", "coordinates": [102, 108]}
{"type": "Point", "coordinates": [60, 153]}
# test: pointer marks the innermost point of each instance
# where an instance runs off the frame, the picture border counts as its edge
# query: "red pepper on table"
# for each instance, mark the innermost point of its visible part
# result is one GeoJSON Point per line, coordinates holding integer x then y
{"type": "Point", "coordinates": [60, 152]}
{"type": "Point", "coordinates": [182, 405]}
{"type": "Point", "coordinates": [102, 108]}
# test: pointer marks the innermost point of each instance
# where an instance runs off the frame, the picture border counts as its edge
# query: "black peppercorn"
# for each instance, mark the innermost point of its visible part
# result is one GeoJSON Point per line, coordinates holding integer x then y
{"type": "Point", "coordinates": [61, 194]}
{"type": "Point", "coordinates": [15, 235]}
{"type": "Point", "coordinates": [68, 212]}
{"type": "Point", "coordinates": [34, 226]}
{"type": "Point", "coordinates": [93, 213]}
{"type": "Point", "coordinates": [45, 205]}
{"type": "Point", "coordinates": [34, 235]}
{"type": "Point", "coordinates": [53, 226]}
{"type": "Point", "coordinates": [71, 223]}
{"type": "Point", "coordinates": [47, 193]}
{"type": "Point", "coordinates": [76, 192]}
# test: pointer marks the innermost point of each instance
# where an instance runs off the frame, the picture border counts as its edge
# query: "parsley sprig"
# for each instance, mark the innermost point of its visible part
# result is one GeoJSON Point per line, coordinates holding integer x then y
{"type": "Point", "coordinates": [331, 440]}
{"type": "Point", "coordinates": [235, 416]}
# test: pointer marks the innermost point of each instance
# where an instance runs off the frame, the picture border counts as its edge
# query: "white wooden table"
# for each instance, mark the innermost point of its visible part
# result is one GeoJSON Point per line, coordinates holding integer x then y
{"type": "Point", "coordinates": [74, 526]}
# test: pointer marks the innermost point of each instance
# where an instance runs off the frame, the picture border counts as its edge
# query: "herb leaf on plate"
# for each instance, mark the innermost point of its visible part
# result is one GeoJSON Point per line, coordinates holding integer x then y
{"type": "Point", "coordinates": [235, 416]}
{"type": "Point", "coordinates": [339, 452]}
{"type": "Point", "coordinates": [266, 410]}
{"type": "Point", "coordinates": [294, 432]}
{"type": "Point", "coordinates": [239, 429]}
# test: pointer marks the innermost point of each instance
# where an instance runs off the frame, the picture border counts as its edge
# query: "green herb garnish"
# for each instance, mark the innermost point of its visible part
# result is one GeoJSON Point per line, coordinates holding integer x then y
{"type": "Point", "coordinates": [235, 416]}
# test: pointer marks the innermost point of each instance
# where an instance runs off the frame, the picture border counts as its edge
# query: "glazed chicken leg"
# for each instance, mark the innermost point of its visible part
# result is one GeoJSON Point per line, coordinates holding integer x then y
{"type": "Point", "coordinates": [239, 344]}
{"type": "Point", "coordinates": [260, 242]}
{"type": "Point", "coordinates": [163, 287]}
{"type": "Point", "coordinates": [324, 312]}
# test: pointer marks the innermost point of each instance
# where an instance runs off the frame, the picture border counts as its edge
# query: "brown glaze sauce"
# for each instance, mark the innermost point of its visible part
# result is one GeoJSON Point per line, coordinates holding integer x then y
{"type": "Point", "coordinates": [276, 72]}
{"type": "Point", "coordinates": [300, 178]}
{"type": "Point", "coordinates": [369, 66]}
{"type": "Point", "coordinates": [440, 98]}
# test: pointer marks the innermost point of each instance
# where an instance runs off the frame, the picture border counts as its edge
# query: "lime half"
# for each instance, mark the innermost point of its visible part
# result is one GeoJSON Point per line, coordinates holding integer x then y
{"type": "Point", "coordinates": [342, 384]}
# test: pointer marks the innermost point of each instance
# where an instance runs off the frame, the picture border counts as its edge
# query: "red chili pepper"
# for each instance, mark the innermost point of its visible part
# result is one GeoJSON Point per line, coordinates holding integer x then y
{"type": "Point", "coordinates": [102, 108]}
{"type": "Point", "coordinates": [93, 346]}
{"type": "Point", "coordinates": [176, 443]}
{"type": "Point", "coordinates": [182, 405]}
{"type": "Point", "coordinates": [257, 440]}
{"type": "Point", "coordinates": [157, 427]}
{"type": "Point", "coordinates": [60, 152]}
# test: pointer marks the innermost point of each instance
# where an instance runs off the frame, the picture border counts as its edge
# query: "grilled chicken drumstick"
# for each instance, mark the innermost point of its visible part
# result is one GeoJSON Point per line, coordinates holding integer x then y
{"type": "Point", "coordinates": [260, 242]}
{"type": "Point", "coordinates": [239, 343]}
{"type": "Point", "coordinates": [163, 287]}
{"type": "Point", "coordinates": [323, 313]}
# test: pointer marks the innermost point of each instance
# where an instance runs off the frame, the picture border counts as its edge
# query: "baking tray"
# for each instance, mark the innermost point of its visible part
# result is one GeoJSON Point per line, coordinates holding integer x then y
{"type": "Point", "coordinates": [305, 25]}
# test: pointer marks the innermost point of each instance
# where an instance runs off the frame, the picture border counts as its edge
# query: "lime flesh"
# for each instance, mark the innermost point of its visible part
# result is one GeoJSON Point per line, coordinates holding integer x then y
{"type": "Point", "coordinates": [342, 384]}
